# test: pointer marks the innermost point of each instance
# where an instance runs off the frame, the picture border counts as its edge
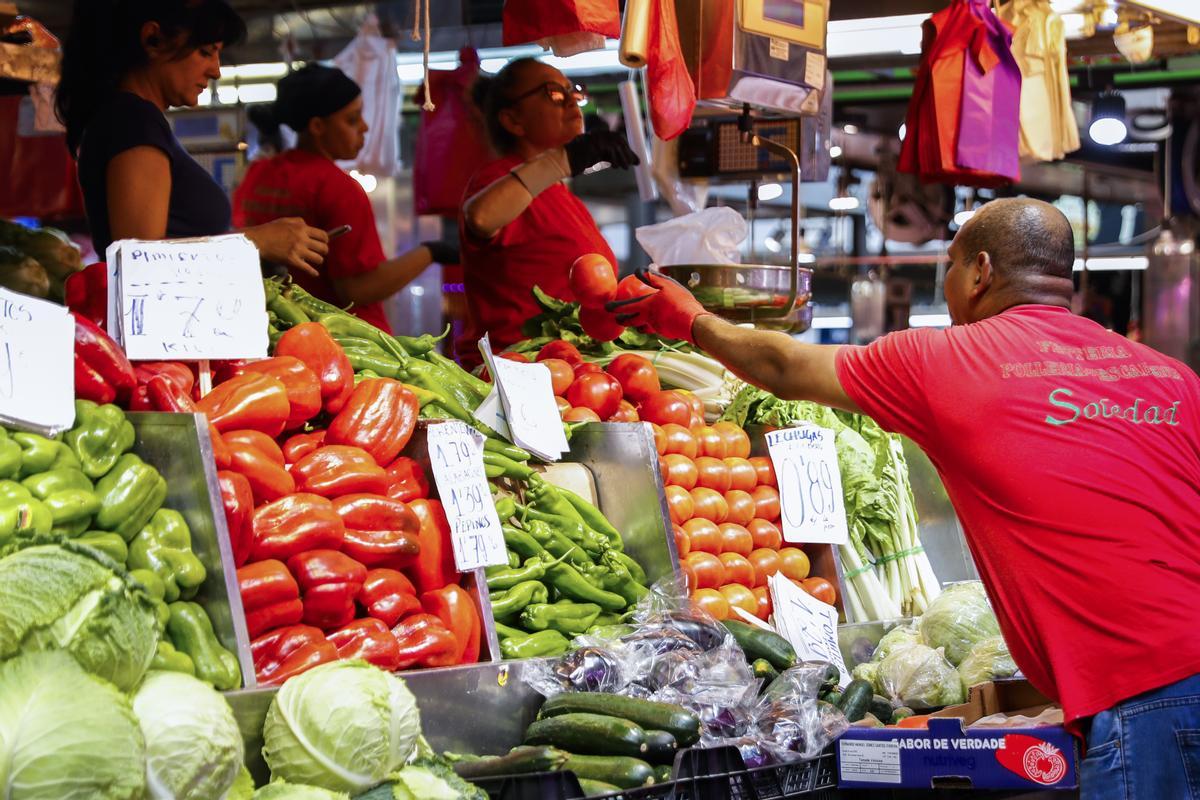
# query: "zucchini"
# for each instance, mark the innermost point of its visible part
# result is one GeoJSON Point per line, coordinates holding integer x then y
{"type": "Point", "coordinates": [831, 679]}
{"type": "Point", "coordinates": [758, 643]}
{"type": "Point", "coordinates": [684, 725]}
{"type": "Point", "coordinates": [763, 669]}
{"type": "Point", "coordinates": [596, 788]}
{"type": "Point", "coordinates": [856, 700]}
{"type": "Point", "coordinates": [518, 761]}
{"type": "Point", "coordinates": [903, 712]}
{"type": "Point", "coordinates": [834, 697]}
{"type": "Point", "coordinates": [881, 709]}
{"type": "Point", "coordinates": [662, 774]}
{"type": "Point", "coordinates": [594, 734]}
{"type": "Point", "coordinates": [661, 747]}
{"type": "Point", "coordinates": [620, 771]}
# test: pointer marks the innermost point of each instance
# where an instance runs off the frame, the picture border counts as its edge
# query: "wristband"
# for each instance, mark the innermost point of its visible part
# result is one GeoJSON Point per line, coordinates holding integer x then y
{"type": "Point", "coordinates": [542, 171]}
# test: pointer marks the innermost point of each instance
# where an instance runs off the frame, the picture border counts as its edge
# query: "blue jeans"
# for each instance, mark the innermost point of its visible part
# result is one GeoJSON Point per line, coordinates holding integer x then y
{"type": "Point", "coordinates": [1146, 748]}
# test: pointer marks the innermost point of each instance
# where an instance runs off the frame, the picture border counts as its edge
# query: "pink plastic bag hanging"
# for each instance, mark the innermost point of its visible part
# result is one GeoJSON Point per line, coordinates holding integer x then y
{"type": "Point", "coordinates": [567, 26]}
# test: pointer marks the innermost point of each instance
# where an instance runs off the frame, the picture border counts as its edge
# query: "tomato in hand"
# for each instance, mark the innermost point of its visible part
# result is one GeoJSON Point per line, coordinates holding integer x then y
{"type": "Point", "coordinates": [741, 507]}
{"type": "Point", "coordinates": [820, 589]}
{"type": "Point", "coordinates": [765, 470]}
{"type": "Point", "coordinates": [683, 545]}
{"type": "Point", "coordinates": [735, 539]}
{"type": "Point", "coordinates": [741, 474]}
{"type": "Point", "coordinates": [711, 602]}
{"type": "Point", "coordinates": [660, 438]}
{"type": "Point", "coordinates": [703, 534]}
{"type": "Point", "coordinates": [679, 440]}
{"type": "Point", "coordinates": [737, 441]}
{"type": "Point", "coordinates": [680, 504]}
{"type": "Point", "coordinates": [592, 279]}
{"type": "Point", "coordinates": [709, 504]}
{"type": "Point", "coordinates": [681, 471]}
{"type": "Point", "coordinates": [766, 502]}
{"type": "Point", "coordinates": [710, 442]}
{"type": "Point", "coordinates": [666, 406]}
{"type": "Point", "coordinates": [562, 375]}
{"type": "Point", "coordinates": [599, 323]}
{"type": "Point", "coordinates": [599, 392]}
{"type": "Point", "coordinates": [766, 534]}
{"type": "Point", "coordinates": [737, 569]}
{"type": "Point", "coordinates": [763, 596]}
{"type": "Point", "coordinates": [581, 414]}
{"type": "Point", "coordinates": [766, 562]}
{"type": "Point", "coordinates": [712, 474]}
{"type": "Point", "coordinates": [625, 413]}
{"type": "Point", "coordinates": [793, 563]}
{"type": "Point", "coordinates": [637, 376]}
{"type": "Point", "coordinates": [633, 286]}
{"type": "Point", "coordinates": [710, 572]}
{"type": "Point", "coordinates": [561, 349]}
{"type": "Point", "coordinates": [741, 597]}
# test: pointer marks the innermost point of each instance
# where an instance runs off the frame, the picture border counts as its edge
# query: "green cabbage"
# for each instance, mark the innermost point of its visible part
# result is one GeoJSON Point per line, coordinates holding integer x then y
{"type": "Point", "coordinates": [919, 677]}
{"type": "Point", "coordinates": [281, 790]}
{"type": "Point", "coordinates": [65, 734]}
{"type": "Point", "coordinates": [193, 745]}
{"type": "Point", "coordinates": [343, 726]}
{"type": "Point", "coordinates": [895, 639]}
{"type": "Point", "coordinates": [957, 619]}
{"type": "Point", "coordinates": [68, 597]}
{"type": "Point", "coordinates": [243, 786]}
{"type": "Point", "coordinates": [988, 659]}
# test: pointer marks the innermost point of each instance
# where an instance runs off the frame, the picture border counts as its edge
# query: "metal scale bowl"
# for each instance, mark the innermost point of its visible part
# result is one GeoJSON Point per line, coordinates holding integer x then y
{"type": "Point", "coordinates": [770, 296]}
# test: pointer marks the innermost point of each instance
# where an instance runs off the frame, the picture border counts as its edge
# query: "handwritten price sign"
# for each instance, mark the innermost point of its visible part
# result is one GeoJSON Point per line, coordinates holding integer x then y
{"type": "Point", "coordinates": [810, 486]}
{"type": "Point", "coordinates": [528, 408]}
{"type": "Point", "coordinates": [37, 374]}
{"type": "Point", "coordinates": [456, 455]}
{"type": "Point", "coordinates": [807, 623]}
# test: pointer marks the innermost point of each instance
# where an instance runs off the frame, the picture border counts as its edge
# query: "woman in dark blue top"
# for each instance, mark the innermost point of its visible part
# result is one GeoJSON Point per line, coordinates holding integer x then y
{"type": "Point", "coordinates": [125, 62]}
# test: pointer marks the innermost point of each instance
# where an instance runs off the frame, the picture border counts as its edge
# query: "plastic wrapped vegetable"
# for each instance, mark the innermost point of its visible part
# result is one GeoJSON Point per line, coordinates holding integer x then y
{"type": "Point", "coordinates": [988, 659]}
{"type": "Point", "coordinates": [957, 619]}
{"type": "Point", "coordinates": [920, 677]}
{"type": "Point", "coordinates": [22, 274]}
{"type": "Point", "coordinates": [896, 639]}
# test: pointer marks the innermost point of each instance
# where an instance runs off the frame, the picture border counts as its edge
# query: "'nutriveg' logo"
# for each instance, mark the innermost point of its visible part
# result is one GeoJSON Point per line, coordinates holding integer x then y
{"type": "Point", "coordinates": [1032, 758]}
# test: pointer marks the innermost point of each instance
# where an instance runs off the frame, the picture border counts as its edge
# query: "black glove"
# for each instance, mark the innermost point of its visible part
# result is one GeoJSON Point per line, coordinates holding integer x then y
{"type": "Point", "coordinates": [589, 149]}
{"type": "Point", "coordinates": [443, 252]}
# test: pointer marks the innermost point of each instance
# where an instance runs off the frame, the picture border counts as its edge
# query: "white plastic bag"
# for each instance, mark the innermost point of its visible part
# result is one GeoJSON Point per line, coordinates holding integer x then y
{"type": "Point", "coordinates": [709, 236]}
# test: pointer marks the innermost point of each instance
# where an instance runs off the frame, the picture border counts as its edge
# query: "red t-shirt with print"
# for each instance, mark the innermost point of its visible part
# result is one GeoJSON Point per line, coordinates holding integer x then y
{"type": "Point", "coordinates": [1072, 457]}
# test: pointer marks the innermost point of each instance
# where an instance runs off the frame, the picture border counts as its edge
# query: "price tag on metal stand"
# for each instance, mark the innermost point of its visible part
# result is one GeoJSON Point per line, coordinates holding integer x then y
{"type": "Point", "coordinates": [809, 625]}
{"type": "Point", "coordinates": [37, 364]}
{"type": "Point", "coordinates": [456, 455]}
{"type": "Point", "coordinates": [810, 487]}
{"type": "Point", "coordinates": [187, 299]}
{"type": "Point", "coordinates": [527, 397]}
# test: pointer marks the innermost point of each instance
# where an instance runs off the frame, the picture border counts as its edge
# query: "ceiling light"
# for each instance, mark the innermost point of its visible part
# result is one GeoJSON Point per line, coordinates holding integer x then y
{"type": "Point", "coordinates": [850, 129]}
{"type": "Point", "coordinates": [961, 217]}
{"type": "Point", "coordinates": [1111, 263]}
{"type": "Point", "coordinates": [903, 131]}
{"type": "Point", "coordinates": [835, 152]}
{"type": "Point", "coordinates": [831, 323]}
{"type": "Point", "coordinates": [366, 180]}
{"type": "Point", "coordinates": [929, 321]}
{"type": "Point", "coordinates": [772, 244]}
{"type": "Point", "coordinates": [1108, 119]}
{"type": "Point", "coordinates": [843, 203]}
{"type": "Point", "coordinates": [769, 191]}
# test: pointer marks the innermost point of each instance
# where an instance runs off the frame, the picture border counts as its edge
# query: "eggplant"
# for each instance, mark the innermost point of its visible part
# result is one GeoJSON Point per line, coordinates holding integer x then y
{"type": "Point", "coordinates": [589, 669]}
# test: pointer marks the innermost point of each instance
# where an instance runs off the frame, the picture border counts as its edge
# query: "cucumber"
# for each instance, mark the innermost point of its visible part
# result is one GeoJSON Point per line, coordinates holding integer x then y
{"type": "Point", "coordinates": [661, 747]}
{"type": "Point", "coordinates": [834, 697]}
{"type": "Point", "coordinates": [518, 761]}
{"type": "Point", "coordinates": [881, 709]}
{"type": "Point", "coordinates": [763, 669]}
{"type": "Point", "coordinates": [620, 771]}
{"type": "Point", "coordinates": [758, 643]}
{"type": "Point", "coordinates": [594, 734]}
{"type": "Point", "coordinates": [903, 712]}
{"type": "Point", "coordinates": [662, 774]}
{"type": "Point", "coordinates": [831, 679]}
{"type": "Point", "coordinates": [676, 720]}
{"type": "Point", "coordinates": [596, 788]}
{"type": "Point", "coordinates": [856, 700]}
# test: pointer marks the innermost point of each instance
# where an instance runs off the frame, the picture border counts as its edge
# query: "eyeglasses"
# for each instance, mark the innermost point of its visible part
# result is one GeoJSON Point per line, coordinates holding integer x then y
{"type": "Point", "coordinates": [556, 93]}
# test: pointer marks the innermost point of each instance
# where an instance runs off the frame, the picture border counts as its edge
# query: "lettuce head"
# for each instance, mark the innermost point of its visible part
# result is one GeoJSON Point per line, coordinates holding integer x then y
{"type": "Point", "coordinates": [919, 677]}
{"type": "Point", "coordinates": [957, 619]}
{"type": "Point", "coordinates": [988, 659]}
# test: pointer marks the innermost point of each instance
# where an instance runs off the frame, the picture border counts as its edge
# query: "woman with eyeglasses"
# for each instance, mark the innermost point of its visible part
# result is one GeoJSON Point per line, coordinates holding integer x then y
{"type": "Point", "coordinates": [521, 226]}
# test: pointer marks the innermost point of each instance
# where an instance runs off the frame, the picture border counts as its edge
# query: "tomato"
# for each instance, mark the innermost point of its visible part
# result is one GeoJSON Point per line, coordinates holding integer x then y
{"type": "Point", "coordinates": [821, 589]}
{"type": "Point", "coordinates": [562, 375]}
{"type": "Point", "coordinates": [735, 539]}
{"type": "Point", "coordinates": [689, 574]}
{"type": "Point", "coordinates": [711, 602]}
{"type": "Point", "coordinates": [737, 569]}
{"type": "Point", "coordinates": [793, 563]}
{"type": "Point", "coordinates": [740, 596]}
{"type": "Point", "coordinates": [709, 504]}
{"type": "Point", "coordinates": [766, 534]}
{"type": "Point", "coordinates": [711, 443]}
{"type": "Point", "coordinates": [592, 279]}
{"type": "Point", "coordinates": [519, 357]}
{"type": "Point", "coordinates": [764, 603]}
{"type": "Point", "coordinates": [633, 286]}
{"type": "Point", "coordinates": [766, 562]}
{"type": "Point", "coordinates": [637, 375]}
{"type": "Point", "coordinates": [599, 392]}
{"type": "Point", "coordinates": [666, 406]}
{"type": "Point", "coordinates": [712, 474]}
{"type": "Point", "coordinates": [563, 405]}
{"type": "Point", "coordinates": [662, 469]}
{"type": "Point", "coordinates": [683, 545]}
{"type": "Point", "coordinates": [741, 474]}
{"type": "Point", "coordinates": [680, 504]}
{"type": "Point", "coordinates": [681, 471]}
{"type": "Point", "coordinates": [679, 440]}
{"type": "Point", "coordinates": [696, 423]}
{"type": "Point", "coordinates": [587, 367]}
{"type": "Point", "coordinates": [741, 506]}
{"type": "Point", "coordinates": [660, 438]}
{"type": "Point", "coordinates": [581, 414]}
{"type": "Point", "coordinates": [560, 349]}
{"type": "Point", "coordinates": [737, 441]}
{"type": "Point", "coordinates": [765, 470]}
{"type": "Point", "coordinates": [625, 413]}
{"type": "Point", "coordinates": [599, 323]}
{"type": "Point", "coordinates": [703, 535]}
{"type": "Point", "coordinates": [710, 572]}
{"type": "Point", "coordinates": [766, 502]}
{"type": "Point", "coordinates": [696, 404]}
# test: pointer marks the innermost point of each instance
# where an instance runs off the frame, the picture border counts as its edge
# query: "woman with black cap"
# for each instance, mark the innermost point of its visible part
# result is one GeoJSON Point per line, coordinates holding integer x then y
{"type": "Point", "coordinates": [325, 109]}
{"type": "Point", "coordinates": [125, 62]}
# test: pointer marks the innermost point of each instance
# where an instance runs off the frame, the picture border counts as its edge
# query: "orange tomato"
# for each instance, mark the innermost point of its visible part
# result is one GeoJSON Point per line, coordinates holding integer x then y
{"type": "Point", "coordinates": [766, 534]}
{"type": "Point", "coordinates": [681, 471]}
{"type": "Point", "coordinates": [764, 603]}
{"type": "Point", "coordinates": [793, 562]}
{"type": "Point", "coordinates": [737, 441]}
{"type": "Point", "coordinates": [711, 602]}
{"type": "Point", "coordinates": [625, 413]}
{"type": "Point", "coordinates": [703, 535]}
{"type": "Point", "coordinates": [660, 438]}
{"type": "Point", "coordinates": [563, 405]}
{"type": "Point", "coordinates": [679, 440]}
{"type": "Point", "coordinates": [689, 574]}
{"type": "Point", "coordinates": [581, 414]}
{"type": "Point", "coordinates": [741, 474]}
{"type": "Point", "coordinates": [683, 544]}
{"type": "Point", "coordinates": [562, 374]}
{"type": "Point", "coordinates": [740, 596]}
{"type": "Point", "coordinates": [766, 562]}
{"type": "Point", "coordinates": [680, 504]}
{"type": "Point", "coordinates": [741, 506]}
{"type": "Point", "coordinates": [766, 501]}
{"type": "Point", "coordinates": [736, 539]}
{"type": "Point", "coordinates": [711, 473]}
{"type": "Point", "coordinates": [694, 402]}
{"type": "Point", "coordinates": [710, 442]}
{"type": "Point", "coordinates": [820, 589]}
{"type": "Point", "coordinates": [765, 470]}
{"type": "Point", "coordinates": [710, 504]}
{"type": "Point", "coordinates": [709, 571]}
{"type": "Point", "coordinates": [738, 569]}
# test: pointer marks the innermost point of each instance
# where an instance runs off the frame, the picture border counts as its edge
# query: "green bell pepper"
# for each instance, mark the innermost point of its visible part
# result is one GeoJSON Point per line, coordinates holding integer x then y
{"type": "Point", "coordinates": [110, 544]}
{"type": "Point", "coordinates": [129, 495]}
{"type": "Point", "coordinates": [164, 547]}
{"type": "Point", "coordinates": [101, 435]}
{"type": "Point", "coordinates": [72, 510]}
{"type": "Point", "coordinates": [39, 454]}
{"type": "Point", "coordinates": [157, 591]}
{"type": "Point", "coordinates": [191, 632]}
{"type": "Point", "coordinates": [166, 657]}
{"type": "Point", "coordinates": [45, 484]}
{"type": "Point", "coordinates": [21, 514]}
{"type": "Point", "coordinates": [537, 645]}
{"type": "Point", "coordinates": [10, 456]}
{"type": "Point", "coordinates": [564, 616]}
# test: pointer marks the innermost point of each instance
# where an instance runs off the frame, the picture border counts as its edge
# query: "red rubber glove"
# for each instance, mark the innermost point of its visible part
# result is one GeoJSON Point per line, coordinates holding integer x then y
{"type": "Point", "coordinates": [670, 312]}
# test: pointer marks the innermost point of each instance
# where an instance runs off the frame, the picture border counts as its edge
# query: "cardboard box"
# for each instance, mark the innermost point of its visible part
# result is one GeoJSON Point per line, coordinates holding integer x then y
{"type": "Point", "coordinates": [950, 755]}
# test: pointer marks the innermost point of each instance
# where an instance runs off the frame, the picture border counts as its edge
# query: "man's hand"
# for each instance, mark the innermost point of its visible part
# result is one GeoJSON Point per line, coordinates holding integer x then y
{"type": "Point", "coordinates": [671, 311]}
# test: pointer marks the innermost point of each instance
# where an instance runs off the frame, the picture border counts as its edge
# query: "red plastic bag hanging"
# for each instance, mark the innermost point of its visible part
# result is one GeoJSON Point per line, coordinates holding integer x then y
{"type": "Point", "coordinates": [672, 94]}
{"type": "Point", "coordinates": [567, 26]}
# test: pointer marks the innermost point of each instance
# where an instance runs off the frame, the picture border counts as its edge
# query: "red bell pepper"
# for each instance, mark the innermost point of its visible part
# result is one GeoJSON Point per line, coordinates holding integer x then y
{"type": "Point", "coordinates": [388, 595]}
{"type": "Point", "coordinates": [313, 345]}
{"type": "Point", "coordinates": [379, 417]}
{"type": "Point", "coordinates": [336, 470]}
{"type": "Point", "coordinates": [238, 501]}
{"type": "Point", "coordinates": [370, 640]}
{"type": "Point", "coordinates": [303, 388]}
{"type": "Point", "coordinates": [254, 401]}
{"type": "Point", "coordinates": [86, 293]}
{"type": "Point", "coordinates": [425, 641]}
{"type": "Point", "coordinates": [456, 609]}
{"type": "Point", "coordinates": [179, 374]}
{"type": "Point", "coordinates": [286, 652]}
{"type": "Point", "coordinates": [258, 440]}
{"type": "Point", "coordinates": [163, 394]}
{"type": "Point", "coordinates": [176, 372]}
{"type": "Point", "coordinates": [270, 596]}
{"type": "Point", "coordinates": [269, 481]}
{"type": "Point", "coordinates": [329, 581]}
{"type": "Point", "coordinates": [300, 445]}
{"type": "Point", "coordinates": [408, 480]}
{"type": "Point", "coordinates": [102, 372]}
{"type": "Point", "coordinates": [294, 524]}
{"type": "Point", "coordinates": [379, 530]}
{"type": "Point", "coordinates": [221, 455]}
{"type": "Point", "coordinates": [434, 567]}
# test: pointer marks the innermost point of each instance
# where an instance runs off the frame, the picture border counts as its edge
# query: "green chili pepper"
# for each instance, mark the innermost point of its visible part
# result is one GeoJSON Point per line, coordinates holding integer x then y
{"type": "Point", "coordinates": [445, 383]}
{"type": "Point", "coordinates": [164, 546]}
{"type": "Point", "coordinates": [505, 449]}
{"type": "Point", "coordinates": [521, 543]}
{"type": "Point", "coordinates": [506, 507]}
{"type": "Point", "coordinates": [514, 560]}
{"type": "Point", "coordinates": [557, 544]}
{"type": "Point", "coordinates": [507, 467]}
{"type": "Point", "coordinates": [534, 569]}
{"type": "Point", "coordinates": [570, 583]}
{"type": "Point", "coordinates": [191, 632]}
{"type": "Point", "coordinates": [110, 544]}
{"type": "Point", "coordinates": [635, 569]}
{"type": "Point", "coordinates": [511, 602]}
{"type": "Point", "coordinates": [589, 540]}
{"type": "Point", "coordinates": [287, 310]}
{"type": "Point", "coordinates": [129, 496]}
{"type": "Point", "coordinates": [592, 518]}
{"type": "Point", "coordinates": [342, 324]}
{"type": "Point", "coordinates": [563, 616]}
{"type": "Point", "coordinates": [478, 386]}
{"type": "Point", "coordinates": [616, 578]}
{"type": "Point", "coordinates": [547, 498]}
{"type": "Point", "coordinates": [536, 645]}
{"type": "Point", "coordinates": [507, 632]}
{"type": "Point", "coordinates": [166, 657]}
{"type": "Point", "coordinates": [362, 360]}
{"type": "Point", "coordinates": [45, 484]}
{"type": "Point", "coordinates": [10, 456]}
